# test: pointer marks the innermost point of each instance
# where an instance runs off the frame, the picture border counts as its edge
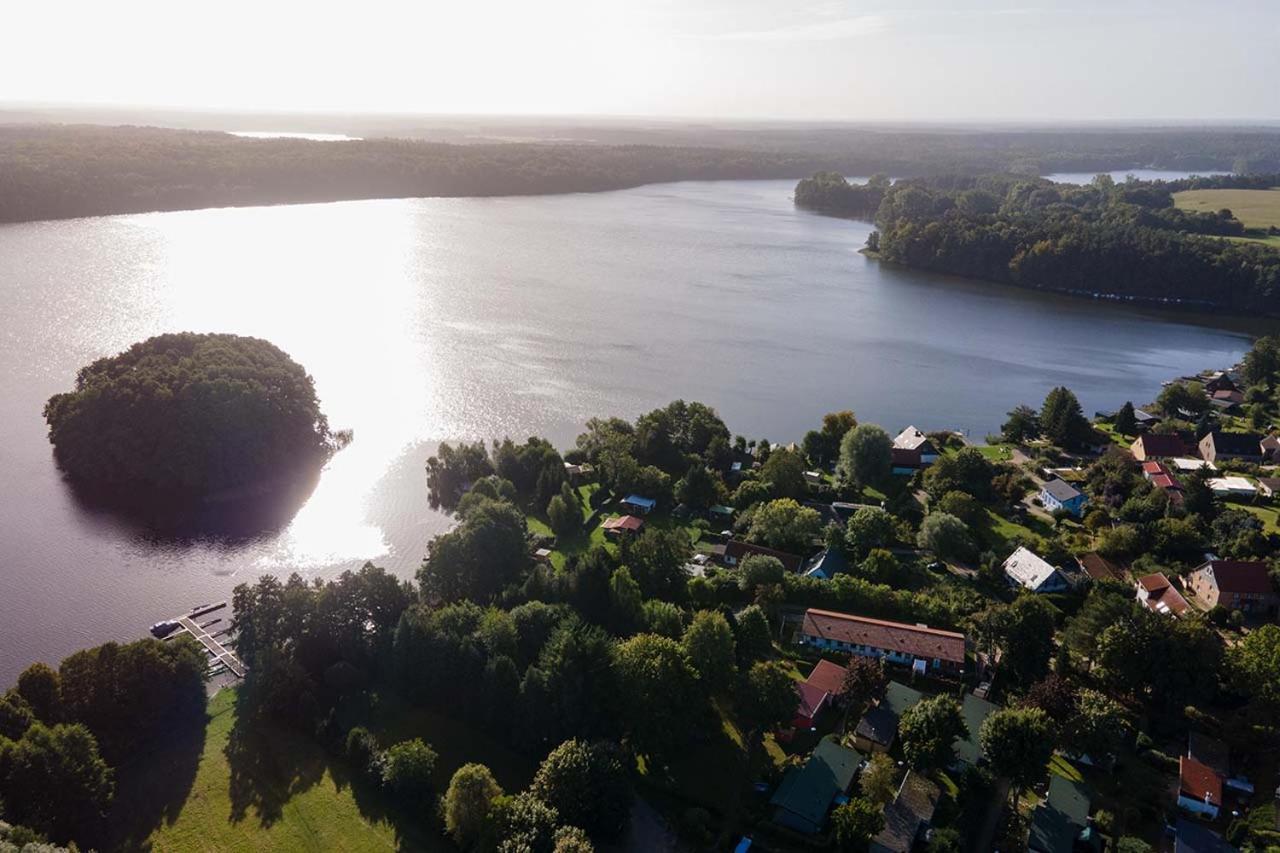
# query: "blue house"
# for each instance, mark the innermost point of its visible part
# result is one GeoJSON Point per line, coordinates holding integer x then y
{"type": "Point", "coordinates": [1059, 494]}
{"type": "Point", "coordinates": [637, 505]}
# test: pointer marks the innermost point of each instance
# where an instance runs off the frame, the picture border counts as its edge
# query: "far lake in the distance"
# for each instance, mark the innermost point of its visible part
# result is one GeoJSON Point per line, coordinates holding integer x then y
{"type": "Point", "coordinates": [433, 319]}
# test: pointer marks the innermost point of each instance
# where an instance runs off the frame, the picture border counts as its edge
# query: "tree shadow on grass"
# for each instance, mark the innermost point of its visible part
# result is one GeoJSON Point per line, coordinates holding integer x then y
{"type": "Point", "coordinates": [153, 784]}
{"type": "Point", "coordinates": [269, 763]}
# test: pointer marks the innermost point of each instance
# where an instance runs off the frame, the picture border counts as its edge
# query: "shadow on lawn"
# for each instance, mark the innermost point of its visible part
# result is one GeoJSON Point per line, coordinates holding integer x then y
{"type": "Point", "coordinates": [153, 785]}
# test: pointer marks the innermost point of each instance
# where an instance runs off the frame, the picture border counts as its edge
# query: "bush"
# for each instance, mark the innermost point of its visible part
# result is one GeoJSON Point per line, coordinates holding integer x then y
{"type": "Point", "coordinates": [362, 749]}
{"type": "Point", "coordinates": [406, 770]}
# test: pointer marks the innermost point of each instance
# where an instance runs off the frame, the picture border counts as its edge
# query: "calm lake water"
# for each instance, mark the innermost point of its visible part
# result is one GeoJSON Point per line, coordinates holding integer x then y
{"type": "Point", "coordinates": [434, 319]}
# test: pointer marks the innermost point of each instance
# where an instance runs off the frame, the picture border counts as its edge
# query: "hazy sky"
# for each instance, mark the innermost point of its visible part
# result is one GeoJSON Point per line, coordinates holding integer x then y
{"type": "Point", "coordinates": [833, 59]}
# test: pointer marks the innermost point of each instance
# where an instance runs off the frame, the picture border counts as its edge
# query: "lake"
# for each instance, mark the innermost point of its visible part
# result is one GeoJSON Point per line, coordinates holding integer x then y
{"type": "Point", "coordinates": [432, 319]}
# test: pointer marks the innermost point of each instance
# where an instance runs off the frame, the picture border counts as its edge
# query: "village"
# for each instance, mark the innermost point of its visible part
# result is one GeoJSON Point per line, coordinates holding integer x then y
{"type": "Point", "coordinates": [1162, 777]}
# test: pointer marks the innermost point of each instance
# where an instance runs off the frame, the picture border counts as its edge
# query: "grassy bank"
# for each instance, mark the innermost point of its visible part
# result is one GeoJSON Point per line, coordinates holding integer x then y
{"type": "Point", "coordinates": [1257, 209]}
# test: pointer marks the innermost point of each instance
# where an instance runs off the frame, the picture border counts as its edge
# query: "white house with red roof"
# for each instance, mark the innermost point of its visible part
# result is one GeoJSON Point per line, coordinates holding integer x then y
{"type": "Point", "coordinates": [917, 646]}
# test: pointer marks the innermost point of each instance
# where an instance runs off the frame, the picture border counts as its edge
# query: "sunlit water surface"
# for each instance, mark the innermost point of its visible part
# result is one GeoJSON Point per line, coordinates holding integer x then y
{"type": "Point", "coordinates": [434, 319]}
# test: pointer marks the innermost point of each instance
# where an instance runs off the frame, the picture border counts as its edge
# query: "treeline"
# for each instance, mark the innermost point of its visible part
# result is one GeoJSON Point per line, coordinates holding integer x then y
{"type": "Point", "coordinates": [57, 172]}
{"type": "Point", "coordinates": [1123, 241]}
{"type": "Point", "coordinates": [62, 171]}
{"type": "Point", "coordinates": [830, 193]}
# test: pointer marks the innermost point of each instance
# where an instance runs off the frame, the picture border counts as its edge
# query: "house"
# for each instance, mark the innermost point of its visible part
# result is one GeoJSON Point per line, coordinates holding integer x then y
{"type": "Point", "coordinates": [1270, 447]}
{"type": "Point", "coordinates": [1059, 822]}
{"type": "Point", "coordinates": [813, 478]}
{"type": "Point", "coordinates": [905, 461]}
{"type": "Point", "coordinates": [804, 798]}
{"type": "Point", "coordinates": [918, 646]}
{"type": "Point", "coordinates": [1193, 837]}
{"type": "Point", "coordinates": [1058, 494]}
{"type": "Point", "coordinates": [1268, 486]}
{"type": "Point", "coordinates": [1100, 568]}
{"type": "Point", "coordinates": [1144, 419]}
{"type": "Point", "coordinates": [1232, 486]}
{"type": "Point", "coordinates": [1235, 585]}
{"type": "Point", "coordinates": [1152, 446]}
{"type": "Point", "coordinates": [845, 510]}
{"type": "Point", "coordinates": [878, 727]}
{"type": "Point", "coordinates": [828, 676]}
{"type": "Point", "coordinates": [813, 700]}
{"type": "Point", "coordinates": [1023, 568]}
{"type": "Point", "coordinates": [1220, 381]}
{"type": "Point", "coordinates": [578, 474]}
{"type": "Point", "coordinates": [1241, 446]}
{"type": "Point", "coordinates": [1199, 788]}
{"type": "Point", "coordinates": [621, 525]}
{"type": "Point", "coordinates": [975, 711]}
{"type": "Point", "coordinates": [827, 564]}
{"type": "Point", "coordinates": [1210, 752]}
{"type": "Point", "coordinates": [1158, 594]}
{"type": "Point", "coordinates": [735, 551]}
{"type": "Point", "coordinates": [1190, 463]}
{"type": "Point", "coordinates": [913, 439]}
{"type": "Point", "coordinates": [638, 505]}
{"type": "Point", "coordinates": [720, 514]}
{"type": "Point", "coordinates": [906, 819]}
{"type": "Point", "coordinates": [1153, 468]}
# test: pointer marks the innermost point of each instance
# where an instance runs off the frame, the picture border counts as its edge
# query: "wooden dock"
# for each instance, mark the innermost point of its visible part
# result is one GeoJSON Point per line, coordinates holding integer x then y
{"type": "Point", "coordinates": [219, 655]}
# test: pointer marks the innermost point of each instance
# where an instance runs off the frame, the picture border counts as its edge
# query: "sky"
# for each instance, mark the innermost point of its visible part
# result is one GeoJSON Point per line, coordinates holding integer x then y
{"type": "Point", "coordinates": [930, 60]}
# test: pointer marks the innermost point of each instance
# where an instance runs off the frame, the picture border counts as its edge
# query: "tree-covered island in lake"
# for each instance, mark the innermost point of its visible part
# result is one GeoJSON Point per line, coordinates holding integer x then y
{"type": "Point", "coordinates": [189, 416]}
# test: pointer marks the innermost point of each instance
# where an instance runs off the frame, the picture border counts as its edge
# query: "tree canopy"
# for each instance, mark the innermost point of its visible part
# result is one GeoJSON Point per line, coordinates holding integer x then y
{"type": "Point", "coordinates": [189, 415]}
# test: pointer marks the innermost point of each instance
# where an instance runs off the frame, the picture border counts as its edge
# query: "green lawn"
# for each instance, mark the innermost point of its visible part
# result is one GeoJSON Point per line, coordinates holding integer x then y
{"type": "Point", "coordinates": [1257, 209]}
{"type": "Point", "coordinates": [1269, 514]}
{"type": "Point", "coordinates": [285, 797]}
{"type": "Point", "coordinates": [1000, 529]}
{"type": "Point", "coordinates": [272, 788]}
{"type": "Point", "coordinates": [995, 452]}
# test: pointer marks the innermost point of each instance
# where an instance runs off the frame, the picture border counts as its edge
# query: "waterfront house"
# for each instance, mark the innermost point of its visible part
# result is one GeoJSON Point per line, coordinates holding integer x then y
{"type": "Point", "coordinates": [1236, 585]}
{"type": "Point", "coordinates": [1199, 788]}
{"type": "Point", "coordinates": [805, 796]}
{"type": "Point", "coordinates": [1158, 594]}
{"type": "Point", "coordinates": [905, 461]}
{"type": "Point", "coordinates": [1239, 446]}
{"type": "Point", "coordinates": [1153, 446]}
{"type": "Point", "coordinates": [922, 648]}
{"type": "Point", "coordinates": [878, 727]}
{"type": "Point", "coordinates": [1058, 494]}
{"type": "Point", "coordinates": [913, 439]}
{"type": "Point", "coordinates": [638, 504]}
{"type": "Point", "coordinates": [1025, 569]}
{"type": "Point", "coordinates": [906, 819]}
{"type": "Point", "coordinates": [1062, 819]}
{"type": "Point", "coordinates": [1220, 381]}
{"type": "Point", "coordinates": [735, 551]}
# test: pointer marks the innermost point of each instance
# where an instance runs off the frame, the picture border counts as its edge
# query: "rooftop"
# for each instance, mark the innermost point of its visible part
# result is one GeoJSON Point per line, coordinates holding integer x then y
{"type": "Point", "coordinates": [1244, 576]}
{"type": "Point", "coordinates": [975, 711]}
{"type": "Point", "coordinates": [1236, 443]}
{"type": "Point", "coordinates": [738, 550]}
{"type": "Point", "coordinates": [917, 640]}
{"type": "Point", "coordinates": [639, 500]}
{"type": "Point", "coordinates": [1100, 568]}
{"type": "Point", "coordinates": [1059, 820]}
{"type": "Point", "coordinates": [623, 522]}
{"type": "Point", "coordinates": [1161, 445]}
{"type": "Point", "coordinates": [1198, 781]}
{"type": "Point", "coordinates": [827, 676]}
{"type": "Point", "coordinates": [1061, 490]}
{"type": "Point", "coordinates": [808, 791]}
{"type": "Point", "coordinates": [914, 805]}
{"type": "Point", "coordinates": [1210, 752]}
{"type": "Point", "coordinates": [1028, 569]}
{"type": "Point", "coordinates": [1162, 597]}
{"type": "Point", "coordinates": [913, 439]}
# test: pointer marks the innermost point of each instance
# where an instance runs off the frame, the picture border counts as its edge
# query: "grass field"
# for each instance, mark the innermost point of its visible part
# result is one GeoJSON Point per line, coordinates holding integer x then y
{"type": "Point", "coordinates": [271, 788]}
{"type": "Point", "coordinates": [1257, 209]}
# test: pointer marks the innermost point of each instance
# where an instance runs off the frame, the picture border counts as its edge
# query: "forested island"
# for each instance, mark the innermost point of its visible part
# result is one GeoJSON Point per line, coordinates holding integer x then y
{"type": "Point", "coordinates": [1115, 240]}
{"type": "Point", "coordinates": [61, 171]}
{"type": "Point", "coordinates": [624, 632]}
{"type": "Point", "coordinates": [190, 417]}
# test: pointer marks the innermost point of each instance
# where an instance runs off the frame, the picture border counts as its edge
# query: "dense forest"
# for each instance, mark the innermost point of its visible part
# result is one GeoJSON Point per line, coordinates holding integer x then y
{"type": "Point", "coordinates": [1123, 241]}
{"type": "Point", "coordinates": [189, 415]}
{"type": "Point", "coordinates": [61, 171]}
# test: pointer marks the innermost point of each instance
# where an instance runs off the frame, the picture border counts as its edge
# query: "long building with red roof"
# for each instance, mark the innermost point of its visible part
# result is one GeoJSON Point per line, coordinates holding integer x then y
{"type": "Point", "coordinates": [910, 645]}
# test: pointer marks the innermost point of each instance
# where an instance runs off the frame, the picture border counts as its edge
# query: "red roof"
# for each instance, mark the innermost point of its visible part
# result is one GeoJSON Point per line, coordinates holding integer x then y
{"type": "Point", "coordinates": [1151, 466]}
{"type": "Point", "coordinates": [1243, 576]}
{"type": "Point", "coordinates": [1155, 444]}
{"type": "Point", "coordinates": [1100, 568]}
{"type": "Point", "coordinates": [623, 522]}
{"type": "Point", "coordinates": [1165, 481]}
{"type": "Point", "coordinates": [812, 701]}
{"type": "Point", "coordinates": [1162, 597]}
{"type": "Point", "coordinates": [1199, 782]}
{"type": "Point", "coordinates": [738, 551]}
{"type": "Point", "coordinates": [918, 640]}
{"type": "Point", "coordinates": [827, 676]}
